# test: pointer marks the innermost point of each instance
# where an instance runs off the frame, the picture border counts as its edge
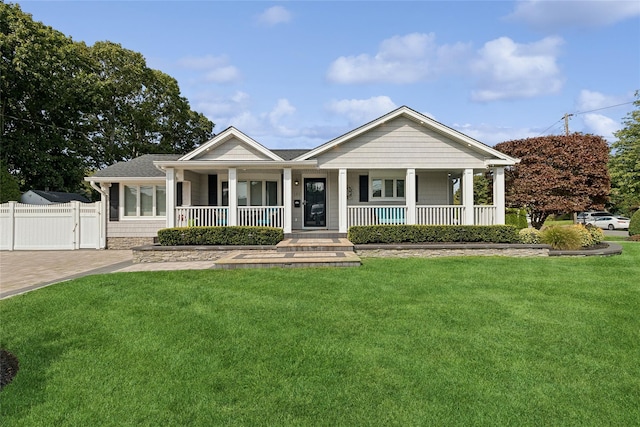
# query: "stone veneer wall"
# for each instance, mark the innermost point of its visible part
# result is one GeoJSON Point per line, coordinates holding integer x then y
{"type": "Point", "coordinates": [128, 242]}
{"type": "Point", "coordinates": [435, 253]}
{"type": "Point", "coordinates": [189, 253]}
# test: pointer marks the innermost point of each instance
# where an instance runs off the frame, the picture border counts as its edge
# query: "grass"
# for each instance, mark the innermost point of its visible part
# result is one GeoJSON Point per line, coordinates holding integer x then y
{"type": "Point", "coordinates": [449, 341]}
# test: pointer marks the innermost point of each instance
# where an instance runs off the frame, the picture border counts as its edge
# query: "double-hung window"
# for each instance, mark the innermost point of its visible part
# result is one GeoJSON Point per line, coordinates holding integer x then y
{"type": "Point", "coordinates": [145, 200]}
{"type": "Point", "coordinates": [387, 188]}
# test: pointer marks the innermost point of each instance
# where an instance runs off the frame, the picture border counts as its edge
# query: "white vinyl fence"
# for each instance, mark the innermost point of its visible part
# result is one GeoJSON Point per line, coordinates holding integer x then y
{"type": "Point", "coordinates": [67, 226]}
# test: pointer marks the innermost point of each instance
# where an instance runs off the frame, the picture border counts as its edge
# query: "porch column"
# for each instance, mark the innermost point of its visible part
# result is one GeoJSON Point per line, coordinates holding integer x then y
{"type": "Point", "coordinates": [233, 197]}
{"type": "Point", "coordinates": [287, 200]}
{"type": "Point", "coordinates": [343, 225]}
{"type": "Point", "coordinates": [467, 196]}
{"type": "Point", "coordinates": [498, 195]}
{"type": "Point", "coordinates": [410, 196]}
{"type": "Point", "coordinates": [171, 197]}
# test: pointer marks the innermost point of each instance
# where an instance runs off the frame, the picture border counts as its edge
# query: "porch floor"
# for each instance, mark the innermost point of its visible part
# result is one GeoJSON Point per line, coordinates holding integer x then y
{"type": "Point", "coordinates": [296, 252]}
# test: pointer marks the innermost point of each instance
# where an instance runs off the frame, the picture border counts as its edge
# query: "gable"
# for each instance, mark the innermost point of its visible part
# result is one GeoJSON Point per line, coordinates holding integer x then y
{"type": "Point", "coordinates": [401, 143]}
{"type": "Point", "coordinates": [232, 149]}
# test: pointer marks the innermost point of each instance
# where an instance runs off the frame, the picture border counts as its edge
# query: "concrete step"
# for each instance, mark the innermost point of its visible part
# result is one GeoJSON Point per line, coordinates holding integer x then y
{"type": "Point", "coordinates": [315, 234]}
{"type": "Point", "coordinates": [255, 259]}
{"type": "Point", "coordinates": [324, 244]}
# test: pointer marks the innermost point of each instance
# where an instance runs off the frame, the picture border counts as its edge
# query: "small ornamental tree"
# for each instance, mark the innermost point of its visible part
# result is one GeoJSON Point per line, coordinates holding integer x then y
{"type": "Point", "coordinates": [557, 174]}
{"type": "Point", "coordinates": [624, 165]}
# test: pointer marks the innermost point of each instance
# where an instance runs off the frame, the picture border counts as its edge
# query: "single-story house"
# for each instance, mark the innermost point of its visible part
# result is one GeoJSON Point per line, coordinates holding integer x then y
{"type": "Point", "coordinates": [402, 168]}
{"type": "Point", "coordinates": [40, 197]}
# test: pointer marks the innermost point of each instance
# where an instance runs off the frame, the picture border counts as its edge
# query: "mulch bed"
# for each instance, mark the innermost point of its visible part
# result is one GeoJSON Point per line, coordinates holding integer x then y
{"type": "Point", "coordinates": [8, 367]}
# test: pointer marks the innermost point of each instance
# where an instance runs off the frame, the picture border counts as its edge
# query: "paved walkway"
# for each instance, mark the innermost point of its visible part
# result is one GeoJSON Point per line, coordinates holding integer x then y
{"type": "Point", "coordinates": [23, 271]}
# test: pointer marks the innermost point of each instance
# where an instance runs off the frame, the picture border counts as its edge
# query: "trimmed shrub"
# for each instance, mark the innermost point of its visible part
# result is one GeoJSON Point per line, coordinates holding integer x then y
{"type": "Point", "coordinates": [222, 236]}
{"type": "Point", "coordinates": [596, 234]}
{"type": "Point", "coordinates": [634, 224]}
{"type": "Point", "coordinates": [516, 217]}
{"type": "Point", "coordinates": [563, 238]}
{"type": "Point", "coordinates": [433, 234]}
{"type": "Point", "coordinates": [586, 237]}
{"type": "Point", "coordinates": [529, 236]}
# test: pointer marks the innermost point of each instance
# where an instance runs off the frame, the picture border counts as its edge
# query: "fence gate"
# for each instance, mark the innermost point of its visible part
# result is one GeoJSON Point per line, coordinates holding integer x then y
{"type": "Point", "coordinates": [66, 226]}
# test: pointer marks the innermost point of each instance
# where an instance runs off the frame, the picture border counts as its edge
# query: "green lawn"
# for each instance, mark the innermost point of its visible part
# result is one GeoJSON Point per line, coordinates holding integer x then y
{"type": "Point", "coordinates": [449, 341]}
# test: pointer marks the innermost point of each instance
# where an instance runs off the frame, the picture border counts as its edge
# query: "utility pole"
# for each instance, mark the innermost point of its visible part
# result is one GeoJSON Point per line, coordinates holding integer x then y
{"type": "Point", "coordinates": [566, 123]}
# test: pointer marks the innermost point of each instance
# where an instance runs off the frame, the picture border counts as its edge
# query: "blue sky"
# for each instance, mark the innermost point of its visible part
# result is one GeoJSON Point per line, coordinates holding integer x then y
{"type": "Point", "coordinates": [299, 73]}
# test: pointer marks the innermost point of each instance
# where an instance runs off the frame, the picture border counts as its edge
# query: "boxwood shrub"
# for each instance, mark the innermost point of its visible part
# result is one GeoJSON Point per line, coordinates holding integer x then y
{"type": "Point", "coordinates": [360, 235]}
{"type": "Point", "coordinates": [222, 236]}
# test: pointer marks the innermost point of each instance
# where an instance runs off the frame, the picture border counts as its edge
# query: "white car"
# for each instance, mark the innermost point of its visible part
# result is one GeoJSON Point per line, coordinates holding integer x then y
{"type": "Point", "coordinates": [611, 222]}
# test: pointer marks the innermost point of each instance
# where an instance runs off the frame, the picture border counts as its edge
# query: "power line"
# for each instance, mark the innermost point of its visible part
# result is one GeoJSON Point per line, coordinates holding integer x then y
{"type": "Point", "coordinates": [566, 116]}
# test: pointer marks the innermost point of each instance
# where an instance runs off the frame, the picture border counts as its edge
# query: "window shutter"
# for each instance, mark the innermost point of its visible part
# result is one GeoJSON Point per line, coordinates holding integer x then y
{"type": "Point", "coordinates": [213, 190]}
{"type": "Point", "coordinates": [179, 194]}
{"type": "Point", "coordinates": [114, 202]}
{"type": "Point", "coordinates": [364, 188]}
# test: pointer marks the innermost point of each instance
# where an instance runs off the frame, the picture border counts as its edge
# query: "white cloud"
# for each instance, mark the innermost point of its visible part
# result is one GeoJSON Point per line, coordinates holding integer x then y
{"type": "Point", "coordinates": [400, 59]}
{"type": "Point", "coordinates": [602, 125]}
{"type": "Point", "coordinates": [591, 100]}
{"type": "Point", "coordinates": [215, 69]}
{"type": "Point", "coordinates": [275, 15]}
{"type": "Point", "coordinates": [361, 111]}
{"type": "Point", "coordinates": [556, 15]}
{"type": "Point", "coordinates": [508, 70]}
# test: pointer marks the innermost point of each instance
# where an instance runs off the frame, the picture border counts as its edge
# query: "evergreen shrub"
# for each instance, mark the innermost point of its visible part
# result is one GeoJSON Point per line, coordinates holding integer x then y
{"type": "Point", "coordinates": [222, 236]}
{"type": "Point", "coordinates": [364, 234]}
{"type": "Point", "coordinates": [634, 224]}
{"type": "Point", "coordinates": [516, 217]}
{"type": "Point", "coordinates": [529, 236]}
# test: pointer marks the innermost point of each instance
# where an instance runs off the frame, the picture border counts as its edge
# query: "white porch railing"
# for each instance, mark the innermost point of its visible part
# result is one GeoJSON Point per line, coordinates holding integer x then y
{"type": "Point", "coordinates": [216, 216]}
{"type": "Point", "coordinates": [372, 215]}
{"type": "Point", "coordinates": [439, 214]}
{"type": "Point", "coordinates": [426, 215]}
{"type": "Point", "coordinates": [204, 216]}
{"type": "Point", "coordinates": [265, 216]}
{"type": "Point", "coordinates": [484, 215]}
{"type": "Point", "coordinates": [273, 216]}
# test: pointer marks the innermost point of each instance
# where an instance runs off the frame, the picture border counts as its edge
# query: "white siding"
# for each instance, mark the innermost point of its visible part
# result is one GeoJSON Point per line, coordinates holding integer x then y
{"type": "Point", "coordinates": [401, 143]}
{"type": "Point", "coordinates": [135, 228]}
{"type": "Point", "coordinates": [198, 188]}
{"type": "Point", "coordinates": [233, 149]}
{"type": "Point", "coordinates": [433, 188]}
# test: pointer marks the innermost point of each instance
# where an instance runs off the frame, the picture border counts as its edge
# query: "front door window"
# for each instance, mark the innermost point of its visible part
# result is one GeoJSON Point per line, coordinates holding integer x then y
{"type": "Point", "coordinates": [314, 202]}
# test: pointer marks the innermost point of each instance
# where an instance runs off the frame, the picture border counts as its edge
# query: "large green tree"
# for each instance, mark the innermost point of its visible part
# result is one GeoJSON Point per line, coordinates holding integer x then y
{"type": "Point", "coordinates": [624, 165]}
{"type": "Point", "coordinates": [42, 99]}
{"type": "Point", "coordinates": [557, 174]}
{"type": "Point", "coordinates": [67, 109]}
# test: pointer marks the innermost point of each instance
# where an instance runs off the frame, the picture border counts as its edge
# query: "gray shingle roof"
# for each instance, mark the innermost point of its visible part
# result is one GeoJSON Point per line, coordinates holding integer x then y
{"type": "Point", "coordinates": [290, 154]}
{"type": "Point", "coordinates": [61, 197]}
{"type": "Point", "coordinates": [139, 167]}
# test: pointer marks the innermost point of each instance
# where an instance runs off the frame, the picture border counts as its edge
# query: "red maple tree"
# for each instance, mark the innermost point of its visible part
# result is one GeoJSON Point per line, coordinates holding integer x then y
{"type": "Point", "coordinates": [557, 174]}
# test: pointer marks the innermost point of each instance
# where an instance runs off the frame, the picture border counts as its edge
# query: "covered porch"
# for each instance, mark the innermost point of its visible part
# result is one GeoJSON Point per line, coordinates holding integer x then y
{"type": "Point", "coordinates": [315, 199]}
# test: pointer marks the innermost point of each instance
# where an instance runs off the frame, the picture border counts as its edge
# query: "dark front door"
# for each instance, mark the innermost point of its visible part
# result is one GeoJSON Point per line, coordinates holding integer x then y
{"type": "Point", "coordinates": [315, 201]}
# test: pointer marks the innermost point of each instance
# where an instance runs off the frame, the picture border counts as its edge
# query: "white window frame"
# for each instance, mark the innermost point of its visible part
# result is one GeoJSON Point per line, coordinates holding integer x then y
{"type": "Point", "coordinates": [384, 178]}
{"type": "Point", "coordinates": [248, 181]}
{"type": "Point", "coordinates": [137, 216]}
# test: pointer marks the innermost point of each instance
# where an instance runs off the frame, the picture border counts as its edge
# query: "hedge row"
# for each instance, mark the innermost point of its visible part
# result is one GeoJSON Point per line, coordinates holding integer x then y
{"type": "Point", "coordinates": [220, 236]}
{"type": "Point", "coordinates": [433, 234]}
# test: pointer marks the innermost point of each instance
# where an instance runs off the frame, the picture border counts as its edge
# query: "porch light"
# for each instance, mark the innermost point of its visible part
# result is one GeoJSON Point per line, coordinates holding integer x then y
{"type": "Point", "coordinates": [296, 182]}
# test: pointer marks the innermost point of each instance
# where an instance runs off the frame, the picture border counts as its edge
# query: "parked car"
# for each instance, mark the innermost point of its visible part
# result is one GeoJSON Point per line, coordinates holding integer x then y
{"type": "Point", "coordinates": [611, 222]}
{"type": "Point", "coordinates": [589, 217]}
